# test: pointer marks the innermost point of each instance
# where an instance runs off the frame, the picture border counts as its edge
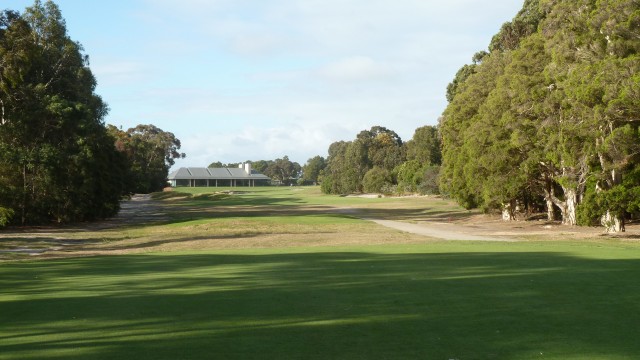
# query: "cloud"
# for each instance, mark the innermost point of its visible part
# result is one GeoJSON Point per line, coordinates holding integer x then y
{"type": "Point", "coordinates": [297, 141]}
{"type": "Point", "coordinates": [244, 37]}
{"type": "Point", "coordinates": [118, 72]}
{"type": "Point", "coordinates": [356, 68]}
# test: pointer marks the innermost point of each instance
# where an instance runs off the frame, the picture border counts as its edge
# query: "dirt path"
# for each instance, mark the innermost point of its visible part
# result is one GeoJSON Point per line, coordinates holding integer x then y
{"type": "Point", "coordinates": [436, 231]}
{"type": "Point", "coordinates": [140, 209]}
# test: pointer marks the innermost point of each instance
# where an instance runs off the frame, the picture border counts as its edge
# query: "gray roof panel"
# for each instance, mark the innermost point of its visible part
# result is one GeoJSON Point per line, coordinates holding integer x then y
{"type": "Point", "coordinates": [215, 173]}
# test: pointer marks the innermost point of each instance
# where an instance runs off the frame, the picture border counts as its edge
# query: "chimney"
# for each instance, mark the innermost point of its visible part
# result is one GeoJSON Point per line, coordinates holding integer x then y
{"type": "Point", "coordinates": [247, 168]}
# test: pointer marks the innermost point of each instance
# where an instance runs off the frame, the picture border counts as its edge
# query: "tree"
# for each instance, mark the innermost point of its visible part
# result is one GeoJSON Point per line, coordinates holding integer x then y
{"type": "Point", "coordinates": [150, 152]}
{"type": "Point", "coordinates": [461, 178]}
{"type": "Point", "coordinates": [312, 169]}
{"type": "Point", "coordinates": [430, 183]}
{"type": "Point", "coordinates": [284, 170]}
{"type": "Point", "coordinates": [376, 180]}
{"type": "Point", "coordinates": [153, 152]}
{"type": "Point", "coordinates": [552, 108]}
{"type": "Point", "coordinates": [381, 147]}
{"type": "Point", "coordinates": [261, 165]}
{"type": "Point", "coordinates": [425, 145]}
{"type": "Point", "coordinates": [513, 32]}
{"type": "Point", "coordinates": [461, 76]}
{"type": "Point", "coordinates": [409, 175]}
{"type": "Point", "coordinates": [56, 159]}
{"type": "Point", "coordinates": [336, 169]}
{"type": "Point", "coordinates": [617, 201]}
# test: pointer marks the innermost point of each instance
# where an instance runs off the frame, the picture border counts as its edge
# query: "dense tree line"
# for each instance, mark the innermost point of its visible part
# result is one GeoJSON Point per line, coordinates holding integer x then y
{"type": "Point", "coordinates": [58, 161]}
{"type": "Point", "coordinates": [379, 161]}
{"type": "Point", "coordinates": [548, 118]}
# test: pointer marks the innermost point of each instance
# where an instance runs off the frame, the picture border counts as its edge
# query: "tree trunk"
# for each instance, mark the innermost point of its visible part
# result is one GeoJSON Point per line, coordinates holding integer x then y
{"type": "Point", "coordinates": [509, 211]}
{"type": "Point", "coordinates": [571, 202]}
{"type": "Point", "coordinates": [612, 223]}
{"type": "Point", "coordinates": [568, 206]}
{"type": "Point", "coordinates": [548, 198]}
{"type": "Point", "coordinates": [23, 217]}
{"type": "Point", "coordinates": [2, 119]}
{"type": "Point", "coordinates": [551, 215]}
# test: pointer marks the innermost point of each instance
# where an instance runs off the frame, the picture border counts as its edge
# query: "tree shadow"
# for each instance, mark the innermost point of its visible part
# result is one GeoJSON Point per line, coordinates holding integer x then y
{"type": "Point", "coordinates": [341, 305]}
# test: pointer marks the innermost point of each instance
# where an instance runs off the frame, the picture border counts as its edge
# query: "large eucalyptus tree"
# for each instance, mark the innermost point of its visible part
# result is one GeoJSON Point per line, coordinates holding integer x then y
{"type": "Point", "coordinates": [57, 162]}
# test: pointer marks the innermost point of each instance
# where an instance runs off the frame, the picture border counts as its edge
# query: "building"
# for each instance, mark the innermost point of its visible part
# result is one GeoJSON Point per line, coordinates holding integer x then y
{"type": "Point", "coordinates": [218, 177]}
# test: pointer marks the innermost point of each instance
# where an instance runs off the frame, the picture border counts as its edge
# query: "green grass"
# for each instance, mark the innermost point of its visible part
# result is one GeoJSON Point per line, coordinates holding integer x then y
{"type": "Point", "coordinates": [433, 301]}
{"type": "Point", "coordinates": [288, 296]}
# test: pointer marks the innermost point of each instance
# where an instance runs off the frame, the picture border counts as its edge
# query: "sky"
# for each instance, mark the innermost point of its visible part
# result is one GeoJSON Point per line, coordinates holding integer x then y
{"type": "Point", "coordinates": [239, 80]}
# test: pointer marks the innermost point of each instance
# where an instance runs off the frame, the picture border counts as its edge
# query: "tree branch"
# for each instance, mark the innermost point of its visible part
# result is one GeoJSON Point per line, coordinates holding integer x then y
{"type": "Point", "coordinates": [2, 119]}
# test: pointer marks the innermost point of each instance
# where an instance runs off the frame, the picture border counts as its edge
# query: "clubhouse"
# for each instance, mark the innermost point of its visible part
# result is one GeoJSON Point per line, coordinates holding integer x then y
{"type": "Point", "coordinates": [218, 177]}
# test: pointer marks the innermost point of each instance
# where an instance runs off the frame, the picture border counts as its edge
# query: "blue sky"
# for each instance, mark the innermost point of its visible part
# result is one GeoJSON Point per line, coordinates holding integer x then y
{"type": "Point", "coordinates": [242, 80]}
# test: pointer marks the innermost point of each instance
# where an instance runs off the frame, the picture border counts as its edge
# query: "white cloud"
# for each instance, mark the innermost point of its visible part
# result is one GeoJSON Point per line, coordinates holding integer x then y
{"type": "Point", "coordinates": [117, 72]}
{"type": "Point", "coordinates": [297, 141]}
{"type": "Point", "coordinates": [356, 68]}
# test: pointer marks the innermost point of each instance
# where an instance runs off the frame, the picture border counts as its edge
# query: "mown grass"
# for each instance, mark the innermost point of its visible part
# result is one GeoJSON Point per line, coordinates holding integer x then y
{"type": "Point", "coordinates": [436, 301]}
{"type": "Point", "coordinates": [178, 292]}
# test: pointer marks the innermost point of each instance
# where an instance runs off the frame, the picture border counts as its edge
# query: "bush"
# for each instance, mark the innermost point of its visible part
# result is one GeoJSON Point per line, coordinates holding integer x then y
{"type": "Point", "coordinates": [5, 216]}
{"type": "Point", "coordinates": [430, 184]}
{"type": "Point", "coordinates": [409, 175]}
{"type": "Point", "coordinates": [376, 179]}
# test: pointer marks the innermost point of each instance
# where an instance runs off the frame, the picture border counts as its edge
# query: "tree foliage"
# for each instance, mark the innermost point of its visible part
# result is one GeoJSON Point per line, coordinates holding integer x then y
{"type": "Point", "coordinates": [376, 180]}
{"type": "Point", "coordinates": [283, 170]}
{"type": "Point", "coordinates": [57, 161]}
{"type": "Point", "coordinates": [150, 153]}
{"type": "Point", "coordinates": [553, 104]}
{"type": "Point", "coordinates": [349, 162]}
{"type": "Point", "coordinates": [313, 169]}
{"type": "Point", "coordinates": [425, 146]}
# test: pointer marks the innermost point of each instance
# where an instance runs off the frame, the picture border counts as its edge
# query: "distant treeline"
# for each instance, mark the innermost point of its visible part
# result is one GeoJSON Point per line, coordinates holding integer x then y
{"type": "Point", "coordinates": [58, 161]}
{"type": "Point", "coordinates": [283, 170]}
{"type": "Point", "coordinates": [378, 161]}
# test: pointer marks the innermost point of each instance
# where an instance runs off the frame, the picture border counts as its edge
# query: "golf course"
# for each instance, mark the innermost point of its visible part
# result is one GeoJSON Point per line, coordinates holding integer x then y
{"type": "Point", "coordinates": [289, 273]}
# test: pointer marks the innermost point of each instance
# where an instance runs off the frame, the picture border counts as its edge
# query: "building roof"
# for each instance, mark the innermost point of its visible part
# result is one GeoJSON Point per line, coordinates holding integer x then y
{"type": "Point", "coordinates": [202, 173]}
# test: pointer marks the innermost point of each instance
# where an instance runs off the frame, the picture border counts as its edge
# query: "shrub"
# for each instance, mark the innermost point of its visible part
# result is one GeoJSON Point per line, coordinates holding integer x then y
{"type": "Point", "coordinates": [430, 184]}
{"type": "Point", "coordinates": [5, 216]}
{"type": "Point", "coordinates": [376, 179]}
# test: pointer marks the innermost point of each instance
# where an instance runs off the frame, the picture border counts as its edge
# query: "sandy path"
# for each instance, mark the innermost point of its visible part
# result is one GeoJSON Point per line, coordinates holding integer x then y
{"type": "Point", "coordinates": [431, 229]}
{"type": "Point", "coordinates": [434, 230]}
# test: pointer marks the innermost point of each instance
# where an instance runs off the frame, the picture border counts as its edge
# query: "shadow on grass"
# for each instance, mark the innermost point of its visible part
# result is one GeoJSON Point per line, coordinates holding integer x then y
{"type": "Point", "coordinates": [343, 305]}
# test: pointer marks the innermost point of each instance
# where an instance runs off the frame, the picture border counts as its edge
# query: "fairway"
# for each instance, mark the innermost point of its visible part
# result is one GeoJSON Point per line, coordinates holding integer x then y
{"type": "Point", "coordinates": [323, 296]}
